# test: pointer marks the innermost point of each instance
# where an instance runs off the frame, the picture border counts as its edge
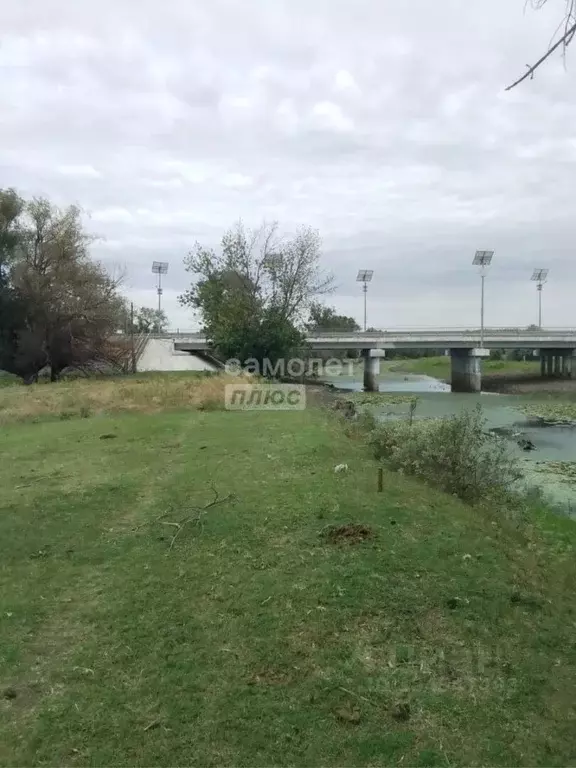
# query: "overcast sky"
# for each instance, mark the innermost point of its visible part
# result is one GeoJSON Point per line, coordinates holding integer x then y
{"type": "Point", "coordinates": [383, 123]}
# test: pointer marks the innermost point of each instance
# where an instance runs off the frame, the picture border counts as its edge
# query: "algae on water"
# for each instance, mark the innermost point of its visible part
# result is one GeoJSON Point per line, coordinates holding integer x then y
{"type": "Point", "coordinates": [558, 412]}
{"type": "Point", "coordinates": [565, 470]}
{"type": "Point", "coordinates": [379, 398]}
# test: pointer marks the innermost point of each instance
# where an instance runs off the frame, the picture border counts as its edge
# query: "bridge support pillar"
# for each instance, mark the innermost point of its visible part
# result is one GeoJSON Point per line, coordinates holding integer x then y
{"type": "Point", "coordinates": [556, 363]}
{"type": "Point", "coordinates": [547, 359]}
{"type": "Point", "coordinates": [466, 369]}
{"type": "Point", "coordinates": [558, 360]}
{"type": "Point", "coordinates": [566, 357]}
{"type": "Point", "coordinates": [371, 371]}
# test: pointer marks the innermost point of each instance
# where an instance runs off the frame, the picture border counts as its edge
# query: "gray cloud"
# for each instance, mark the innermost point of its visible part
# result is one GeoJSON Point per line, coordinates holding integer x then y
{"type": "Point", "coordinates": [384, 124]}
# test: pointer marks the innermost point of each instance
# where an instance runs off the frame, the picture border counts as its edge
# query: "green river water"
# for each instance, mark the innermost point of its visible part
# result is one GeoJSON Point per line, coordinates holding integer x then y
{"type": "Point", "coordinates": [554, 443]}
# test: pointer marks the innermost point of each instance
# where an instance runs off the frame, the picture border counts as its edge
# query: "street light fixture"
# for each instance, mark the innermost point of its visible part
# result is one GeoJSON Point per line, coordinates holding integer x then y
{"type": "Point", "coordinates": [160, 268]}
{"type": "Point", "coordinates": [540, 276]}
{"type": "Point", "coordinates": [482, 259]}
{"type": "Point", "coordinates": [365, 276]}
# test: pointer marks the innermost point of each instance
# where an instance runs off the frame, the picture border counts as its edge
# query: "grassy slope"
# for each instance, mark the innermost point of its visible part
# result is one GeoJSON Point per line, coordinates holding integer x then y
{"type": "Point", "coordinates": [440, 367]}
{"type": "Point", "coordinates": [253, 641]}
{"type": "Point", "coordinates": [144, 393]}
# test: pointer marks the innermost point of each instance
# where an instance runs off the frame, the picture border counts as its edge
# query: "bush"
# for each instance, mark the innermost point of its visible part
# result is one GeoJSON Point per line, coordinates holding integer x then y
{"type": "Point", "coordinates": [9, 379]}
{"type": "Point", "coordinates": [456, 454]}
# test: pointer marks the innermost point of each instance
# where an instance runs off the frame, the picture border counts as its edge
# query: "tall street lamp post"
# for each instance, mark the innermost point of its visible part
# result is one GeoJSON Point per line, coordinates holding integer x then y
{"type": "Point", "coordinates": [159, 268]}
{"type": "Point", "coordinates": [365, 276]}
{"type": "Point", "coordinates": [540, 276]}
{"type": "Point", "coordinates": [482, 259]}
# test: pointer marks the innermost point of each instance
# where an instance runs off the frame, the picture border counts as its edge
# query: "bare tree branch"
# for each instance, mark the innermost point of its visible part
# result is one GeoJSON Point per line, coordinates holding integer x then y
{"type": "Point", "coordinates": [564, 40]}
{"type": "Point", "coordinates": [569, 24]}
{"type": "Point", "coordinates": [197, 518]}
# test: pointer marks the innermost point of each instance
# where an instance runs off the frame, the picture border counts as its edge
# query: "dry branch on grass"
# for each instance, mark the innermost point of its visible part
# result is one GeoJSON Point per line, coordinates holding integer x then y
{"type": "Point", "coordinates": [189, 519]}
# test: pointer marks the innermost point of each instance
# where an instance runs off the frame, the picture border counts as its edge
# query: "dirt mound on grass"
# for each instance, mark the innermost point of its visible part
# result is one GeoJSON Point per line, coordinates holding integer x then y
{"type": "Point", "coordinates": [352, 533]}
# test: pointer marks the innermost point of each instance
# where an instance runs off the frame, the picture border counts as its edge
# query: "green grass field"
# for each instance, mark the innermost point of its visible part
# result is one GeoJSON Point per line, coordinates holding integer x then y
{"type": "Point", "coordinates": [439, 367]}
{"type": "Point", "coordinates": [436, 634]}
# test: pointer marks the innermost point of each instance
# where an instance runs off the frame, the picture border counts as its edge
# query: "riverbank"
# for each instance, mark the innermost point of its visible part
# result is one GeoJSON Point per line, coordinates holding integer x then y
{"type": "Point", "coordinates": [185, 586]}
{"type": "Point", "coordinates": [528, 384]}
{"type": "Point", "coordinates": [503, 376]}
{"type": "Point", "coordinates": [439, 367]}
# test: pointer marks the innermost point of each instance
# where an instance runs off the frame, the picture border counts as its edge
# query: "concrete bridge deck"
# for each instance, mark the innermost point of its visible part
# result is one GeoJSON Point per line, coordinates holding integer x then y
{"type": "Point", "coordinates": [467, 348]}
{"type": "Point", "coordinates": [427, 338]}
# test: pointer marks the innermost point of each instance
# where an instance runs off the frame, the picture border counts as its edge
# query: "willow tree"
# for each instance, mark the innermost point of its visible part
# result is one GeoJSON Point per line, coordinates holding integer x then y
{"type": "Point", "coordinates": [68, 305]}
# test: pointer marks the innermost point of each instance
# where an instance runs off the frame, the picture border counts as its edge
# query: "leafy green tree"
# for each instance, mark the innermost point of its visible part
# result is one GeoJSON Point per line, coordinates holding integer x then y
{"type": "Point", "coordinates": [12, 305]}
{"type": "Point", "coordinates": [148, 320]}
{"type": "Point", "coordinates": [323, 318]}
{"type": "Point", "coordinates": [254, 293]}
{"type": "Point", "coordinates": [62, 306]}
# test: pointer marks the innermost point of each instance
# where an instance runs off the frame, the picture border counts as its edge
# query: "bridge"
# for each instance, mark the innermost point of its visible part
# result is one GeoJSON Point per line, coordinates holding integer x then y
{"type": "Point", "coordinates": [467, 348]}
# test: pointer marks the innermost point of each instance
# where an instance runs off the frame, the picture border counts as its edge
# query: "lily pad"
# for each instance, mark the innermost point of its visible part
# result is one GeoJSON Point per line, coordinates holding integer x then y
{"type": "Point", "coordinates": [379, 398]}
{"type": "Point", "coordinates": [566, 470]}
{"type": "Point", "coordinates": [554, 412]}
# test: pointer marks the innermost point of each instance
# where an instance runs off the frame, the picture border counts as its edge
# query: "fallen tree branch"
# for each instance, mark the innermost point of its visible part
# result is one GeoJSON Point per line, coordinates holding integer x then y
{"type": "Point", "coordinates": [149, 522]}
{"type": "Point", "coordinates": [197, 519]}
{"type": "Point", "coordinates": [194, 519]}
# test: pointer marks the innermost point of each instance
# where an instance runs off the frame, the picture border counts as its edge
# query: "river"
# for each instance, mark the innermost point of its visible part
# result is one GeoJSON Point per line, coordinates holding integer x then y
{"type": "Point", "coordinates": [503, 413]}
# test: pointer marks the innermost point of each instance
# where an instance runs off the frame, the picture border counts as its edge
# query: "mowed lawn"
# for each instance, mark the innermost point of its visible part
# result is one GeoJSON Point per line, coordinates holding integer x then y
{"type": "Point", "coordinates": [445, 637]}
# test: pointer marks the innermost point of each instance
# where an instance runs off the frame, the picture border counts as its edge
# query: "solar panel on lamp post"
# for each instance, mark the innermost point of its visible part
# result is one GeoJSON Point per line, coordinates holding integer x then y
{"type": "Point", "coordinates": [482, 259]}
{"type": "Point", "coordinates": [365, 276]}
{"type": "Point", "coordinates": [160, 268]}
{"type": "Point", "coordinates": [540, 276]}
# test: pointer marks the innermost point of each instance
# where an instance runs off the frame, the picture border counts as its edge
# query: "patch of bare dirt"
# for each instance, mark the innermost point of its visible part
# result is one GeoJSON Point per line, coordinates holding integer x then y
{"type": "Point", "coordinates": [270, 677]}
{"type": "Point", "coordinates": [351, 533]}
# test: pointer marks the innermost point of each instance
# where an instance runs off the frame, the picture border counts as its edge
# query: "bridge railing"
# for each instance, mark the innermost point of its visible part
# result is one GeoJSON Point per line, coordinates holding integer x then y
{"type": "Point", "coordinates": [414, 331]}
{"type": "Point", "coordinates": [535, 333]}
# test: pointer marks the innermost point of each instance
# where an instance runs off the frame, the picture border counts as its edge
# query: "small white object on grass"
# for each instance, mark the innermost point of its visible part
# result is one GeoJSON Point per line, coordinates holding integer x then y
{"type": "Point", "coordinates": [341, 468]}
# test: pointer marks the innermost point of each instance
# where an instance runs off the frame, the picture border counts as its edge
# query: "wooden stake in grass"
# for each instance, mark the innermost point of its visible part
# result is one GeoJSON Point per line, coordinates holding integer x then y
{"type": "Point", "coordinates": [380, 479]}
{"type": "Point", "coordinates": [132, 346]}
{"type": "Point", "coordinates": [413, 406]}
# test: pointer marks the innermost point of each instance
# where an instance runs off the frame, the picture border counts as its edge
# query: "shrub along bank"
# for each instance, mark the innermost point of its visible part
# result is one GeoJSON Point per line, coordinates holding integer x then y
{"type": "Point", "coordinates": [457, 454]}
